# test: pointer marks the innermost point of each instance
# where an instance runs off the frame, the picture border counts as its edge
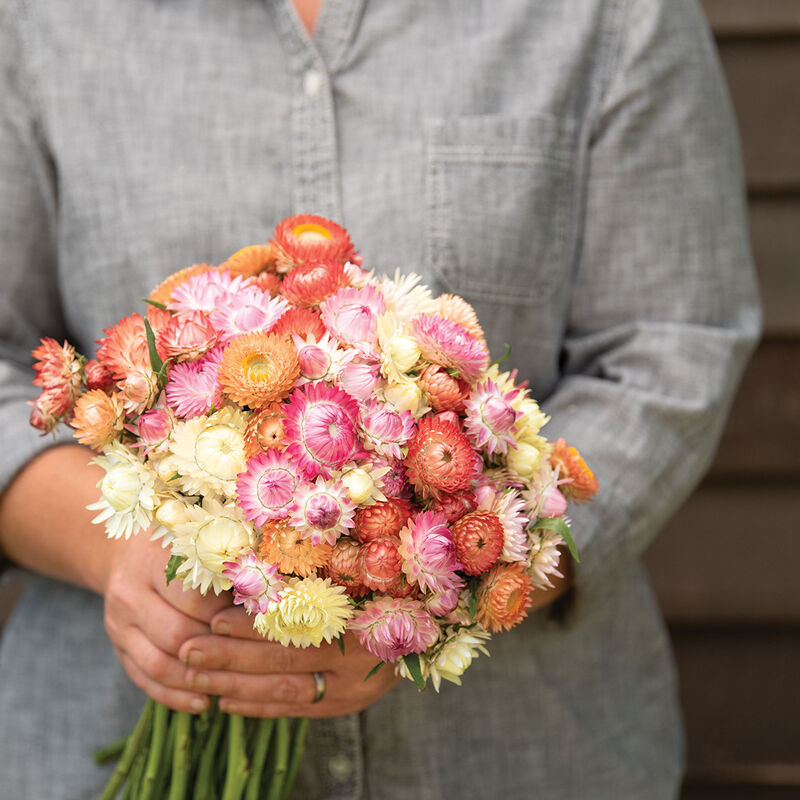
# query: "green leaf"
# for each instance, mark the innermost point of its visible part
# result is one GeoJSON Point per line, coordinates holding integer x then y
{"type": "Point", "coordinates": [373, 671]}
{"type": "Point", "coordinates": [559, 526]}
{"type": "Point", "coordinates": [172, 567]}
{"type": "Point", "coordinates": [505, 355]}
{"type": "Point", "coordinates": [155, 360]}
{"type": "Point", "coordinates": [155, 303]}
{"type": "Point", "coordinates": [174, 477]}
{"type": "Point", "coordinates": [412, 663]}
{"type": "Point", "coordinates": [340, 644]}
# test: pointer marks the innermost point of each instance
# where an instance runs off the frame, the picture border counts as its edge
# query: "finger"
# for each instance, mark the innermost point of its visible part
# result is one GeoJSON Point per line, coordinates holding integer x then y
{"type": "Point", "coordinates": [166, 626]}
{"type": "Point", "coordinates": [288, 689]}
{"type": "Point", "coordinates": [176, 699]}
{"type": "Point", "coordinates": [235, 621]}
{"type": "Point", "coordinates": [157, 665]}
{"type": "Point", "coordinates": [259, 657]}
{"type": "Point", "coordinates": [202, 608]}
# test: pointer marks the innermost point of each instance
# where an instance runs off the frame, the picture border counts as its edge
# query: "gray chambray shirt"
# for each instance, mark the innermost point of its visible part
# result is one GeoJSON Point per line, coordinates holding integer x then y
{"type": "Point", "coordinates": [568, 166]}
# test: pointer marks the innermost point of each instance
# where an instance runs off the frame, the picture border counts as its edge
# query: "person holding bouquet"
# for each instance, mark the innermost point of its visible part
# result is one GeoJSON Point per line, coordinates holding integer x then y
{"type": "Point", "coordinates": [572, 172]}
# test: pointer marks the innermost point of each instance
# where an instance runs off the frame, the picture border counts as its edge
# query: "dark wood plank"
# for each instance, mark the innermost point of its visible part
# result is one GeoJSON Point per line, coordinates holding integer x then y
{"type": "Point", "coordinates": [762, 437]}
{"type": "Point", "coordinates": [774, 224]}
{"type": "Point", "coordinates": [730, 555]}
{"type": "Point", "coordinates": [753, 17]}
{"type": "Point", "coordinates": [740, 699]}
{"type": "Point", "coordinates": [762, 75]}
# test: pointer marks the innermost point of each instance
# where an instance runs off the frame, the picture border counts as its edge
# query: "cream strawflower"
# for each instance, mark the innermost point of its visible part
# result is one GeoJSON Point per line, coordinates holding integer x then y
{"type": "Point", "coordinates": [544, 557]}
{"type": "Point", "coordinates": [128, 496]}
{"type": "Point", "coordinates": [405, 395]}
{"type": "Point", "coordinates": [405, 296]}
{"type": "Point", "coordinates": [399, 353]}
{"type": "Point", "coordinates": [451, 658]}
{"type": "Point", "coordinates": [169, 514]}
{"type": "Point", "coordinates": [310, 610]}
{"type": "Point", "coordinates": [211, 535]}
{"type": "Point", "coordinates": [210, 452]}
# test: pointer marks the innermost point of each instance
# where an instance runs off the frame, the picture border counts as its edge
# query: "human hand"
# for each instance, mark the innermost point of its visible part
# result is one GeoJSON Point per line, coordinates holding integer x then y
{"type": "Point", "coordinates": [257, 678]}
{"type": "Point", "coordinates": [148, 621]}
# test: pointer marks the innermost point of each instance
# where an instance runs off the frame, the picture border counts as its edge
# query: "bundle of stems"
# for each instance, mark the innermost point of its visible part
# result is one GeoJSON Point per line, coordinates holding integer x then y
{"type": "Point", "coordinates": [209, 756]}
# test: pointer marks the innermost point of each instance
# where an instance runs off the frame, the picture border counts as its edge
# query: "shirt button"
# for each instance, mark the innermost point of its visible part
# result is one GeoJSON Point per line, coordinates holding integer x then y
{"type": "Point", "coordinates": [312, 83]}
{"type": "Point", "coordinates": [340, 767]}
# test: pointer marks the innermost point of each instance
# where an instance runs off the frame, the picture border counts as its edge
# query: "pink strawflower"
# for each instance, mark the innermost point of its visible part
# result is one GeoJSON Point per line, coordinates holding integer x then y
{"type": "Point", "coordinates": [152, 428]}
{"type": "Point", "coordinates": [266, 489]}
{"type": "Point", "coordinates": [322, 511]}
{"type": "Point", "coordinates": [193, 387]}
{"type": "Point", "coordinates": [247, 311]}
{"type": "Point", "coordinates": [361, 377]}
{"type": "Point", "coordinates": [440, 604]}
{"type": "Point", "coordinates": [391, 627]}
{"type": "Point", "coordinates": [320, 428]}
{"type": "Point", "coordinates": [394, 482]}
{"type": "Point", "coordinates": [256, 583]}
{"type": "Point", "coordinates": [138, 390]}
{"type": "Point", "coordinates": [384, 430]}
{"type": "Point", "coordinates": [98, 376]}
{"type": "Point", "coordinates": [491, 419]}
{"type": "Point", "coordinates": [205, 292]}
{"type": "Point", "coordinates": [554, 504]}
{"type": "Point", "coordinates": [450, 345]}
{"type": "Point", "coordinates": [52, 406]}
{"type": "Point", "coordinates": [186, 337]}
{"type": "Point", "coordinates": [351, 315]}
{"type": "Point", "coordinates": [320, 359]}
{"type": "Point", "coordinates": [428, 552]}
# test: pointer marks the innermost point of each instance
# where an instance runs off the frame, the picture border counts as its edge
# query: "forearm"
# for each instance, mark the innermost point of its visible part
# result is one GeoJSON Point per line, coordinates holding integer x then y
{"type": "Point", "coordinates": [44, 523]}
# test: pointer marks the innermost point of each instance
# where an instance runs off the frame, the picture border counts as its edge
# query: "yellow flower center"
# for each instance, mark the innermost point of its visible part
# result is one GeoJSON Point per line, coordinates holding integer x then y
{"type": "Point", "coordinates": [257, 368]}
{"type": "Point", "coordinates": [311, 232]}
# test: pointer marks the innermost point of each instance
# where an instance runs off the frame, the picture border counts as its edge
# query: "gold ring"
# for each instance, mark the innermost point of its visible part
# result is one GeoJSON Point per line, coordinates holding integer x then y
{"type": "Point", "coordinates": [319, 687]}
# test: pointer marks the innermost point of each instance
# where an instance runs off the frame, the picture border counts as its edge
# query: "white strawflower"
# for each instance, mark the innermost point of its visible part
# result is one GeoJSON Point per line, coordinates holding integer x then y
{"type": "Point", "coordinates": [406, 296]}
{"type": "Point", "coordinates": [544, 557]}
{"type": "Point", "coordinates": [210, 452]}
{"type": "Point", "coordinates": [310, 610]}
{"type": "Point", "coordinates": [451, 658]}
{"type": "Point", "coordinates": [211, 535]}
{"type": "Point", "coordinates": [128, 496]}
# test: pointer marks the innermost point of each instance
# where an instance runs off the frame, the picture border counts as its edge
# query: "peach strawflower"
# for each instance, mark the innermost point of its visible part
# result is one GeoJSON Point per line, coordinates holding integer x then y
{"type": "Point", "coordinates": [163, 292]}
{"type": "Point", "coordinates": [576, 481]}
{"type": "Point", "coordinates": [455, 505]}
{"type": "Point", "coordinates": [308, 285]}
{"type": "Point", "coordinates": [268, 282]}
{"type": "Point", "coordinates": [186, 337]}
{"type": "Point", "coordinates": [306, 237]}
{"type": "Point", "coordinates": [258, 369]}
{"type": "Point", "coordinates": [264, 430]}
{"type": "Point", "coordinates": [458, 310]}
{"type": "Point", "coordinates": [52, 406]}
{"type": "Point", "coordinates": [302, 321]}
{"type": "Point", "coordinates": [250, 260]}
{"type": "Point", "coordinates": [442, 391]}
{"type": "Point", "coordinates": [440, 458]}
{"type": "Point", "coordinates": [381, 519]}
{"type": "Point", "coordinates": [98, 418]}
{"type": "Point", "coordinates": [343, 567]}
{"type": "Point", "coordinates": [56, 366]}
{"type": "Point", "coordinates": [285, 546]}
{"type": "Point", "coordinates": [124, 347]}
{"type": "Point", "coordinates": [504, 597]}
{"type": "Point", "coordinates": [478, 538]}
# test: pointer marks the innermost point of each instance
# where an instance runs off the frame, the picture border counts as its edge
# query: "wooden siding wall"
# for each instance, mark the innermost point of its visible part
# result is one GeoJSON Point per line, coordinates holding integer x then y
{"type": "Point", "coordinates": [726, 568]}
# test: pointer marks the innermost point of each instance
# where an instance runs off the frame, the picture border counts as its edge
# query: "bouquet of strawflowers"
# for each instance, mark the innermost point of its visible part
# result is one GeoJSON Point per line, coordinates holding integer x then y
{"type": "Point", "coordinates": [335, 449]}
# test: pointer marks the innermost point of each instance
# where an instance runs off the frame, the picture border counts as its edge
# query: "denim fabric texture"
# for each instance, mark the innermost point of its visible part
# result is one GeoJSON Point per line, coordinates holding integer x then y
{"type": "Point", "coordinates": [571, 168]}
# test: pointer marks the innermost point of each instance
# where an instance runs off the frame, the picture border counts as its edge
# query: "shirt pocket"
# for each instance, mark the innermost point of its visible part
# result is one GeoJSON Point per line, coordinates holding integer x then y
{"type": "Point", "coordinates": [500, 196]}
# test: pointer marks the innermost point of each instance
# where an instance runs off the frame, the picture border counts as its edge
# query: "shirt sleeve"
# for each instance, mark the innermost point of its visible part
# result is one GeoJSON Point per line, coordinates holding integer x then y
{"type": "Point", "coordinates": [29, 300]}
{"type": "Point", "coordinates": [665, 310]}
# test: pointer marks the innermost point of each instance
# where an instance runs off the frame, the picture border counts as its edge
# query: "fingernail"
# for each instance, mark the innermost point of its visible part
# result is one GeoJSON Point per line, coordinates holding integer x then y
{"type": "Point", "coordinates": [200, 680]}
{"type": "Point", "coordinates": [222, 628]}
{"type": "Point", "coordinates": [198, 705]}
{"type": "Point", "coordinates": [194, 658]}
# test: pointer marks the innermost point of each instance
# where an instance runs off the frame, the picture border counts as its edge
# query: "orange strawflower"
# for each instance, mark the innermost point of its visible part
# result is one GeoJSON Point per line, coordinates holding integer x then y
{"type": "Point", "coordinates": [579, 483]}
{"type": "Point", "coordinates": [504, 597]}
{"type": "Point", "coordinates": [250, 260]}
{"type": "Point", "coordinates": [258, 369]}
{"type": "Point", "coordinates": [264, 430]}
{"type": "Point", "coordinates": [163, 292]}
{"type": "Point", "coordinates": [98, 418]}
{"type": "Point", "coordinates": [285, 546]}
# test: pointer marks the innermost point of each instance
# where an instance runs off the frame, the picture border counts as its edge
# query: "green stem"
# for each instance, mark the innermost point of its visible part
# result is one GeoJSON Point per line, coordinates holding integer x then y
{"type": "Point", "coordinates": [110, 751]}
{"type": "Point", "coordinates": [165, 766]}
{"type": "Point", "coordinates": [263, 735]}
{"type": "Point", "coordinates": [204, 782]}
{"type": "Point", "coordinates": [135, 778]}
{"type": "Point", "coordinates": [238, 764]}
{"type": "Point", "coordinates": [298, 749]}
{"type": "Point", "coordinates": [160, 720]}
{"type": "Point", "coordinates": [131, 749]}
{"type": "Point", "coordinates": [180, 757]}
{"type": "Point", "coordinates": [281, 759]}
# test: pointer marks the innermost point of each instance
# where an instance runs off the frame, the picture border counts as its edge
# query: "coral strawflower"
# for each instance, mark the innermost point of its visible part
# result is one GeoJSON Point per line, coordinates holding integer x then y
{"type": "Point", "coordinates": [304, 238]}
{"type": "Point", "coordinates": [344, 568]}
{"type": "Point", "coordinates": [382, 519]}
{"type": "Point", "coordinates": [478, 538]}
{"type": "Point", "coordinates": [308, 285]}
{"type": "Point", "coordinates": [300, 321]}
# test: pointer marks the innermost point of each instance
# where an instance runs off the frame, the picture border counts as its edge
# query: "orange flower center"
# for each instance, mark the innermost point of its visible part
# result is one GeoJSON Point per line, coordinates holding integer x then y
{"type": "Point", "coordinates": [311, 232]}
{"type": "Point", "coordinates": [257, 367]}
